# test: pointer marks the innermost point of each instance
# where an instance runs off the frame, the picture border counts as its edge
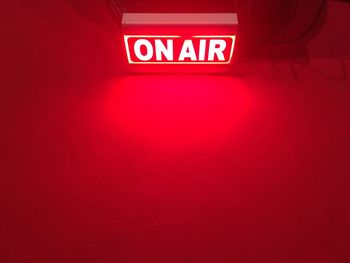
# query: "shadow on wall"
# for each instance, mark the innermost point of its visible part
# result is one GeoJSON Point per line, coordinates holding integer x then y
{"type": "Point", "coordinates": [286, 23]}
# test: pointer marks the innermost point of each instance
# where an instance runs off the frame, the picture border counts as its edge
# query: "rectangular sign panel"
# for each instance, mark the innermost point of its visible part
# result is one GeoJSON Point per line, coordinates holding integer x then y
{"type": "Point", "coordinates": [146, 49]}
{"type": "Point", "coordinates": [179, 39]}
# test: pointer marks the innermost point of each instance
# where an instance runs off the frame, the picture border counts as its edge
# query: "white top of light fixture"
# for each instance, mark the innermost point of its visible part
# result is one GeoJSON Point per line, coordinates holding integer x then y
{"type": "Point", "coordinates": [179, 19]}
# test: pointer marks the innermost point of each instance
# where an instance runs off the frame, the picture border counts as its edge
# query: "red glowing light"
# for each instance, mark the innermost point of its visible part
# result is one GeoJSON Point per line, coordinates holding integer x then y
{"type": "Point", "coordinates": [178, 111]}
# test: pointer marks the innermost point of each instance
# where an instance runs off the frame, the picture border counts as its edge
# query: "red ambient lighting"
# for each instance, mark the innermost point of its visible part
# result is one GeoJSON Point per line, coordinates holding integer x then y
{"type": "Point", "coordinates": [179, 38]}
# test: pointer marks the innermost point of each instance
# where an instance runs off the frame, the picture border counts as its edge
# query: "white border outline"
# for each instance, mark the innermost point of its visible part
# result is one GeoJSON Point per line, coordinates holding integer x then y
{"type": "Point", "coordinates": [126, 37]}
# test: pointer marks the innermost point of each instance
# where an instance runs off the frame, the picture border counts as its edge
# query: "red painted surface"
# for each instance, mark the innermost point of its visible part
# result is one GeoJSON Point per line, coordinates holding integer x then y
{"type": "Point", "coordinates": [97, 166]}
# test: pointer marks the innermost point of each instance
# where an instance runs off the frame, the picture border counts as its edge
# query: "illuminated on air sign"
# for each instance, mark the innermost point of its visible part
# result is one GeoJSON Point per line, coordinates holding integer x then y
{"type": "Point", "coordinates": [179, 50]}
{"type": "Point", "coordinates": [179, 38]}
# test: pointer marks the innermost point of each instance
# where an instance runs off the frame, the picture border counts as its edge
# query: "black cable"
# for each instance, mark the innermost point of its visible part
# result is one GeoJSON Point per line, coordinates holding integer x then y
{"type": "Point", "coordinates": [308, 29]}
{"type": "Point", "coordinates": [292, 15]}
{"type": "Point", "coordinates": [343, 76]}
{"type": "Point", "coordinates": [249, 13]}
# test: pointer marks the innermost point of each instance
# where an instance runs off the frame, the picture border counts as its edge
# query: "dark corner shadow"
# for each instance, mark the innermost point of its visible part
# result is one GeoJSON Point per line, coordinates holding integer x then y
{"type": "Point", "coordinates": [75, 47]}
{"type": "Point", "coordinates": [282, 26]}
